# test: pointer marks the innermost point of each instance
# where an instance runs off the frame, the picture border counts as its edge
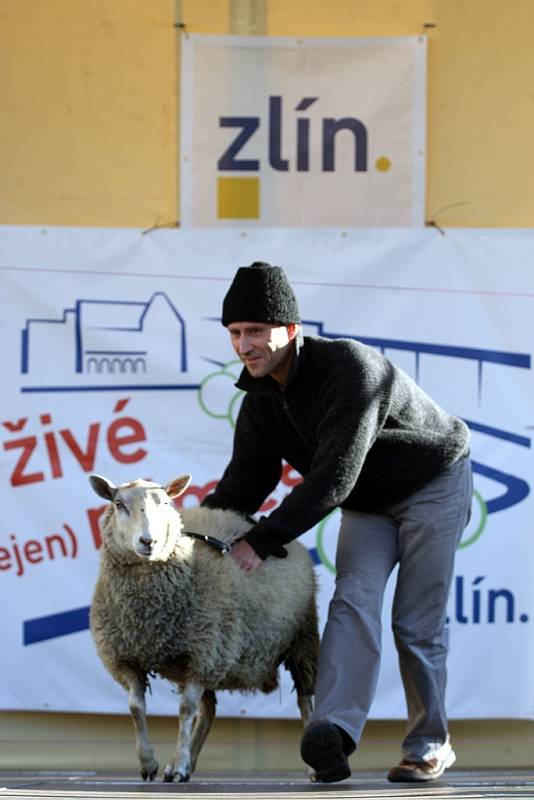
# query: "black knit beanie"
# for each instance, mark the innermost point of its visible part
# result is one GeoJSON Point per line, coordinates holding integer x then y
{"type": "Point", "coordinates": [260, 293]}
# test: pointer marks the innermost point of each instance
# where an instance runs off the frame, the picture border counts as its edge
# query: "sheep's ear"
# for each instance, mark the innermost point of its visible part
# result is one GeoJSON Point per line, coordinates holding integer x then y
{"type": "Point", "coordinates": [178, 486]}
{"type": "Point", "coordinates": [103, 487]}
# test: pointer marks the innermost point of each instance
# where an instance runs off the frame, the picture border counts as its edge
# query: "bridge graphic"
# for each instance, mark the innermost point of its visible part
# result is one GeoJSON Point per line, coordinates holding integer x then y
{"type": "Point", "coordinates": [480, 356]}
{"type": "Point", "coordinates": [512, 489]}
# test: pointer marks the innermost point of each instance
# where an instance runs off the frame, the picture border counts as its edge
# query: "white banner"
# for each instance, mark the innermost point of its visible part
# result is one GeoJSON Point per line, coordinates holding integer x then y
{"type": "Point", "coordinates": [115, 361]}
{"type": "Point", "coordinates": [302, 132]}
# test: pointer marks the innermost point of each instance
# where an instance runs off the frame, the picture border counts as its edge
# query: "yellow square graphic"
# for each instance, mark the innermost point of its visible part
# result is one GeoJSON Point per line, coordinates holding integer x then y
{"type": "Point", "coordinates": [238, 198]}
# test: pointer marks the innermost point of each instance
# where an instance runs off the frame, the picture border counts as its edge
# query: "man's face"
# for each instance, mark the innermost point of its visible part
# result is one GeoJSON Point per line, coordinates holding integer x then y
{"type": "Point", "coordinates": [264, 349]}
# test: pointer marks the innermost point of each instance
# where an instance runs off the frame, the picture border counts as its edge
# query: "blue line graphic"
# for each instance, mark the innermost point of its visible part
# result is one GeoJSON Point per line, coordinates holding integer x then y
{"type": "Point", "coordinates": [116, 352]}
{"type": "Point", "coordinates": [43, 628]}
{"type": "Point", "coordinates": [516, 488]}
{"type": "Point", "coordinates": [522, 441]}
{"type": "Point", "coordinates": [165, 387]}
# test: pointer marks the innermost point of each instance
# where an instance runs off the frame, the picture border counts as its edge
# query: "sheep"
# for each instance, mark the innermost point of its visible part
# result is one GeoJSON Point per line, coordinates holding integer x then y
{"type": "Point", "coordinates": [168, 603]}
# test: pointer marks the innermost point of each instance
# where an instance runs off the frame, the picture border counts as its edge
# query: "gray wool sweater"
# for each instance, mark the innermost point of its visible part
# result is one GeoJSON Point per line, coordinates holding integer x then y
{"type": "Point", "coordinates": [360, 431]}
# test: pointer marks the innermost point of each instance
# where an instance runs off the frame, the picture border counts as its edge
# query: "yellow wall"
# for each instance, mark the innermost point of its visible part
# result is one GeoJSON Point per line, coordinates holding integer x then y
{"type": "Point", "coordinates": [89, 112]}
{"type": "Point", "coordinates": [89, 92]}
{"type": "Point", "coordinates": [89, 98]}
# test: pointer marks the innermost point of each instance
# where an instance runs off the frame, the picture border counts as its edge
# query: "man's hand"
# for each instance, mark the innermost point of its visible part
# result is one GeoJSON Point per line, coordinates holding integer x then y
{"type": "Point", "coordinates": [245, 556]}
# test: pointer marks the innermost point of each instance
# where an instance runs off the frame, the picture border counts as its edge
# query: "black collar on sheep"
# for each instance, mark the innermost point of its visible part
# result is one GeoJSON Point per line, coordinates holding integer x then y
{"type": "Point", "coordinates": [218, 544]}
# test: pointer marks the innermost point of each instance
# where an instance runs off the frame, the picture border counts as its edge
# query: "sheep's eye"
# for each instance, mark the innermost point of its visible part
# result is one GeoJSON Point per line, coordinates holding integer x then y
{"type": "Point", "coordinates": [119, 505]}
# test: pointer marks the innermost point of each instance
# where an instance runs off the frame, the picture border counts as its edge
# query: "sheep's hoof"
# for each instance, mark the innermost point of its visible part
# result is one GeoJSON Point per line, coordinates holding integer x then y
{"type": "Point", "coordinates": [171, 775]}
{"type": "Point", "coordinates": [146, 775]}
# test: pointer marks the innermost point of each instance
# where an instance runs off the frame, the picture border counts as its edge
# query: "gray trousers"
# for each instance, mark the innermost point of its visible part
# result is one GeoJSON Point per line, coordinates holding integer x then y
{"type": "Point", "coordinates": [421, 534]}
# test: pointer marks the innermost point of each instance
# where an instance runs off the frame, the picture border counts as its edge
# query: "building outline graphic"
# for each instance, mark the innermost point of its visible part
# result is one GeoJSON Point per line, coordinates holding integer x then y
{"type": "Point", "coordinates": [108, 339]}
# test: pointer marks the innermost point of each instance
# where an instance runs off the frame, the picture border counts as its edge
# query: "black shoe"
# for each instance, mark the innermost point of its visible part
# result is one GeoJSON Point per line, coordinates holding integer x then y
{"type": "Point", "coordinates": [325, 748]}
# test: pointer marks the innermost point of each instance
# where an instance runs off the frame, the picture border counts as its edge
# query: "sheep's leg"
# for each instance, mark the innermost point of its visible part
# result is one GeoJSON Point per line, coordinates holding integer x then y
{"type": "Point", "coordinates": [180, 767]}
{"type": "Point", "coordinates": [203, 723]}
{"type": "Point", "coordinates": [305, 704]}
{"type": "Point", "coordinates": [303, 678]}
{"type": "Point", "coordinates": [302, 664]}
{"type": "Point", "coordinates": [301, 661]}
{"type": "Point", "coordinates": [136, 702]}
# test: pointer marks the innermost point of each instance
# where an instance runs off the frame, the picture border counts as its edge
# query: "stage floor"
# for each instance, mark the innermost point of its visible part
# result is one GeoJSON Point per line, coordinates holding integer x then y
{"type": "Point", "coordinates": [264, 786]}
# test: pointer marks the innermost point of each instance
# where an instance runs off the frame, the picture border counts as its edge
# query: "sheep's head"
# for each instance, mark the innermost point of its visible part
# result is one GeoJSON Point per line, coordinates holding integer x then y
{"type": "Point", "coordinates": [141, 518]}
